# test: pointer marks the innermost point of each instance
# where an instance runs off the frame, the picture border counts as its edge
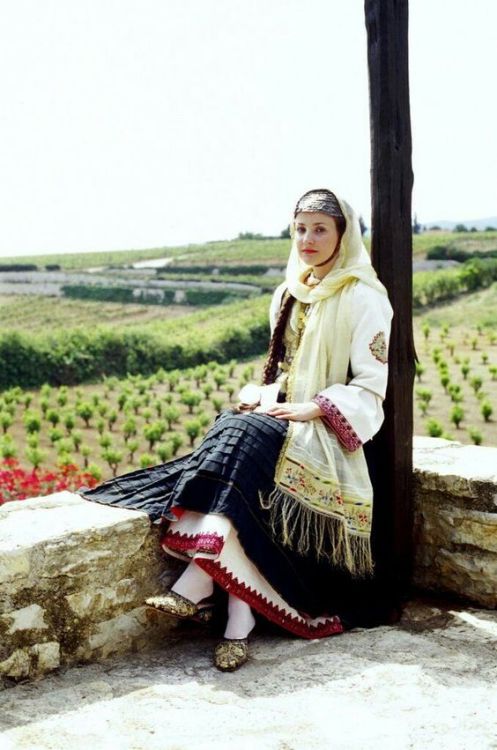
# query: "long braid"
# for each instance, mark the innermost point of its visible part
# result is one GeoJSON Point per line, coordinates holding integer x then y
{"type": "Point", "coordinates": [276, 351]}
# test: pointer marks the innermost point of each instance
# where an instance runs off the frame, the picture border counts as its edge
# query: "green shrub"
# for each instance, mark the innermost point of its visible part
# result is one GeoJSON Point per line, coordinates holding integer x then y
{"type": "Point", "coordinates": [153, 433]}
{"type": "Point", "coordinates": [475, 436]}
{"type": "Point", "coordinates": [476, 383]}
{"type": "Point", "coordinates": [420, 369]}
{"type": "Point", "coordinates": [457, 415]}
{"type": "Point", "coordinates": [6, 420]}
{"type": "Point", "coordinates": [147, 460]}
{"type": "Point", "coordinates": [192, 429]}
{"type": "Point", "coordinates": [113, 458]}
{"type": "Point", "coordinates": [434, 428]}
{"type": "Point", "coordinates": [32, 422]}
{"type": "Point", "coordinates": [164, 451]}
{"type": "Point", "coordinates": [35, 456]}
{"type": "Point", "coordinates": [486, 410]}
{"type": "Point", "coordinates": [191, 399]}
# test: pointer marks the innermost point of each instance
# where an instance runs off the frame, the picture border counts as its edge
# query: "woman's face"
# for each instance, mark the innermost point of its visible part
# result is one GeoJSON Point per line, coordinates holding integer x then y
{"type": "Point", "coordinates": [317, 238]}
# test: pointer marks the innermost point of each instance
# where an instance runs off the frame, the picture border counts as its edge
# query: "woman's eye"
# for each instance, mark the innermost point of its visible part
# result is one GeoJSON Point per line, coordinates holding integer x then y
{"type": "Point", "coordinates": [320, 229]}
{"type": "Point", "coordinates": [301, 230]}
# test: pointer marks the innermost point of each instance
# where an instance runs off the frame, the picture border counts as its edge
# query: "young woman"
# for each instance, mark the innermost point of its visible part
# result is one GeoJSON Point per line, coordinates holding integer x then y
{"type": "Point", "coordinates": [275, 505]}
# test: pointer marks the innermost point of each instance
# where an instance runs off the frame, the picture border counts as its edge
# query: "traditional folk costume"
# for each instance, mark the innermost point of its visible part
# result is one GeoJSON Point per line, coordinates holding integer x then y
{"type": "Point", "coordinates": [279, 513]}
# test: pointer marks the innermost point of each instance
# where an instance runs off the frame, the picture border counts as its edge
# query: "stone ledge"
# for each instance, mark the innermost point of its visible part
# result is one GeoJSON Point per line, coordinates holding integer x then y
{"type": "Point", "coordinates": [73, 577]}
{"type": "Point", "coordinates": [455, 519]}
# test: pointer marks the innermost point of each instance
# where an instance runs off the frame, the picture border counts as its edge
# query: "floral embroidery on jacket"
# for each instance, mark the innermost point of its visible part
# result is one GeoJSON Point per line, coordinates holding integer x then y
{"type": "Point", "coordinates": [378, 347]}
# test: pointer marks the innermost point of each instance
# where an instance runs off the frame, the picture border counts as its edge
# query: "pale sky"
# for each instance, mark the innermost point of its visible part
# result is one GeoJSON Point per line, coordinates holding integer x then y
{"type": "Point", "coordinates": [143, 123]}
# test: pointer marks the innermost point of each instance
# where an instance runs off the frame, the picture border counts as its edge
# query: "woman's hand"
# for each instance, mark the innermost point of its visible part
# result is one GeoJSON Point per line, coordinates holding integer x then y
{"type": "Point", "coordinates": [293, 412]}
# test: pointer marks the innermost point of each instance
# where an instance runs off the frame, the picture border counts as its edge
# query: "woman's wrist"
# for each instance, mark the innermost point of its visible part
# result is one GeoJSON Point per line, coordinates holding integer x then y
{"type": "Point", "coordinates": [316, 409]}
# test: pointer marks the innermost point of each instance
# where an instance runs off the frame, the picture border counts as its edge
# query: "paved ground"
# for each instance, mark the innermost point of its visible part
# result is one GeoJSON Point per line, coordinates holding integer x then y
{"type": "Point", "coordinates": [430, 682]}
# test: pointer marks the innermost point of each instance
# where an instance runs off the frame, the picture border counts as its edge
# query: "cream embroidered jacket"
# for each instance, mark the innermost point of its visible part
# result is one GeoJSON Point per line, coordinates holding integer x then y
{"type": "Point", "coordinates": [355, 411]}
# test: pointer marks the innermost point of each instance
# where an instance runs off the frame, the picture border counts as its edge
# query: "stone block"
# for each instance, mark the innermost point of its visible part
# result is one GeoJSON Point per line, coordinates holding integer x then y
{"type": "Point", "coordinates": [14, 563]}
{"type": "Point", "coordinates": [27, 618]}
{"type": "Point", "coordinates": [471, 575]}
{"type": "Point", "coordinates": [91, 602]}
{"type": "Point", "coordinates": [74, 574]}
{"type": "Point", "coordinates": [46, 657]}
{"type": "Point", "coordinates": [118, 634]}
{"type": "Point", "coordinates": [455, 530]}
{"type": "Point", "coordinates": [468, 472]}
{"type": "Point", "coordinates": [476, 529]}
{"type": "Point", "coordinates": [452, 526]}
{"type": "Point", "coordinates": [17, 665]}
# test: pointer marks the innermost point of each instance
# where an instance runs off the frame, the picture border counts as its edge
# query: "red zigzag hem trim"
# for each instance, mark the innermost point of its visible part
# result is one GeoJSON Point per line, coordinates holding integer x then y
{"type": "Point", "coordinates": [209, 542]}
{"type": "Point", "coordinates": [231, 584]}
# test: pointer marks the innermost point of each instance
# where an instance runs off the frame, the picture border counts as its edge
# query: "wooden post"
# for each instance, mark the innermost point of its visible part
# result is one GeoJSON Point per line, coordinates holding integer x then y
{"type": "Point", "coordinates": [391, 188]}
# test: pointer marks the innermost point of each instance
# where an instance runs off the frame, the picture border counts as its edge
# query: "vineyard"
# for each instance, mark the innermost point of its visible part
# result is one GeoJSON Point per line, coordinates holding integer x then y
{"type": "Point", "coordinates": [121, 424]}
{"type": "Point", "coordinates": [37, 314]}
{"type": "Point", "coordinates": [118, 425]}
{"type": "Point", "coordinates": [86, 354]}
{"type": "Point", "coordinates": [90, 388]}
{"type": "Point", "coordinates": [267, 251]}
{"type": "Point", "coordinates": [456, 383]}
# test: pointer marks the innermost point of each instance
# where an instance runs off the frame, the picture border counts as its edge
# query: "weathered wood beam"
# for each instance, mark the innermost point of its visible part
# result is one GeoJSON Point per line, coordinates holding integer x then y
{"type": "Point", "coordinates": [391, 188]}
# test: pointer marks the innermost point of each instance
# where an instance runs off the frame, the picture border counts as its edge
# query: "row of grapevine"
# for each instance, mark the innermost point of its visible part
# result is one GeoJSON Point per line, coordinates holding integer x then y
{"type": "Point", "coordinates": [119, 424]}
{"type": "Point", "coordinates": [456, 383]}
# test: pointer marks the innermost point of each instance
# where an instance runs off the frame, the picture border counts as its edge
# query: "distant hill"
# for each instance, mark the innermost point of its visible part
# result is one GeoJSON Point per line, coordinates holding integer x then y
{"type": "Point", "coordinates": [480, 224]}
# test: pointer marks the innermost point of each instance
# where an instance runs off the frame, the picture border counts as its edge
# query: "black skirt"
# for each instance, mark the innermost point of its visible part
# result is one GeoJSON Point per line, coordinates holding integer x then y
{"type": "Point", "coordinates": [224, 476]}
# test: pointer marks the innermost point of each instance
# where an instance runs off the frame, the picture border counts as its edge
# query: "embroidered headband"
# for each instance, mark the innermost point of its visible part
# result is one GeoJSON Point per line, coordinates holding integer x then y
{"type": "Point", "coordinates": [319, 200]}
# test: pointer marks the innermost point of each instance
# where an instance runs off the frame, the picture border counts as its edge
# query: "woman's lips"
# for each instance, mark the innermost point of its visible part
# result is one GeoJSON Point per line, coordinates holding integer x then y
{"type": "Point", "coordinates": [309, 251]}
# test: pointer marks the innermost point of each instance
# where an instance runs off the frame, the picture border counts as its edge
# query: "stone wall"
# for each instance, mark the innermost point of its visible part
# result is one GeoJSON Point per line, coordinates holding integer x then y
{"type": "Point", "coordinates": [73, 577]}
{"type": "Point", "coordinates": [455, 521]}
{"type": "Point", "coordinates": [74, 574]}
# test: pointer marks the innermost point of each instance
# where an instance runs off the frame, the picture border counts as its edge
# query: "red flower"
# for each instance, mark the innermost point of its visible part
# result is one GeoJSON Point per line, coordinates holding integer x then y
{"type": "Point", "coordinates": [17, 483]}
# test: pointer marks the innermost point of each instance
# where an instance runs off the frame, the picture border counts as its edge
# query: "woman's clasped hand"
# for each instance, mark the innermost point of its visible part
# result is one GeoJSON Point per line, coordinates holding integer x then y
{"type": "Point", "coordinates": [292, 412]}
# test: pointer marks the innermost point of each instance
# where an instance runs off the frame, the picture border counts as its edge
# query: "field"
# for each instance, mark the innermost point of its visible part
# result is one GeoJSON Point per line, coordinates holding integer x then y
{"type": "Point", "coordinates": [37, 314]}
{"type": "Point", "coordinates": [470, 310]}
{"type": "Point", "coordinates": [123, 422]}
{"type": "Point", "coordinates": [457, 380]}
{"type": "Point", "coordinates": [119, 424]}
{"type": "Point", "coordinates": [268, 251]}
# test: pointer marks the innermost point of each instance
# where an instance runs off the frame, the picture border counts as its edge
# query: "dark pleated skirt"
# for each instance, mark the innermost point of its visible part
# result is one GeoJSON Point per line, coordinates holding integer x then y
{"type": "Point", "coordinates": [224, 475]}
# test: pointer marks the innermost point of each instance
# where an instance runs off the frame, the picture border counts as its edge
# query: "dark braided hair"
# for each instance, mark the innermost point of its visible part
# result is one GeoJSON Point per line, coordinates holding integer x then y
{"type": "Point", "coordinates": [276, 351]}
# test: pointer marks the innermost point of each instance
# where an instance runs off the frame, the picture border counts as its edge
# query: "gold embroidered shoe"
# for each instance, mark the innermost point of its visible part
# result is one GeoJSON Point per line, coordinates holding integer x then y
{"type": "Point", "coordinates": [231, 653]}
{"type": "Point", "coordinates": [173, 604]}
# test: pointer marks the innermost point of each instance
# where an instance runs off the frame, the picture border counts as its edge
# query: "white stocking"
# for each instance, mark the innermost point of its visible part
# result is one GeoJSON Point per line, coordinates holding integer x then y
{"type": "Point", "coordinates": [240, 618]}
{"type": "Point", "coordinates": [194, 584]}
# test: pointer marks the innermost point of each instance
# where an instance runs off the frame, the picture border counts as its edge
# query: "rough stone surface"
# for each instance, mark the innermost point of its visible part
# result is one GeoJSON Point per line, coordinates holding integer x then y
{"type": "Point", "coordinates": [455, 519]}
{"type": "Point", "coordinates": [429, 682]}
{"type": "Point", "coordinates": [73, 577]}
{"type": "Point", "coordinates": [27, 618]}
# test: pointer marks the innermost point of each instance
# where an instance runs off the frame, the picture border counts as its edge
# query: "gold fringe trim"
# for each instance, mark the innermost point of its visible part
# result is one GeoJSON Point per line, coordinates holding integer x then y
{"type": "Point", "coordinates": [307, 531]}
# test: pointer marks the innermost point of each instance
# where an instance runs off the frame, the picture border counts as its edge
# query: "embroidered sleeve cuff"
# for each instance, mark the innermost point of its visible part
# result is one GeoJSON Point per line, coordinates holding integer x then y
{"type": "Point", "coordinates": [333, 417]}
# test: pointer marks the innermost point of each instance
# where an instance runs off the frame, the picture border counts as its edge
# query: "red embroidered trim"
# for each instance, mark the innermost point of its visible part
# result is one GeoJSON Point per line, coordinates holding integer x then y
{"type": "Point", "coordinates": [207, 542]}
{"type": "Point", "coordinates": [333, 417]}
{"type": "Point", "coordinates": [229, 583]}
